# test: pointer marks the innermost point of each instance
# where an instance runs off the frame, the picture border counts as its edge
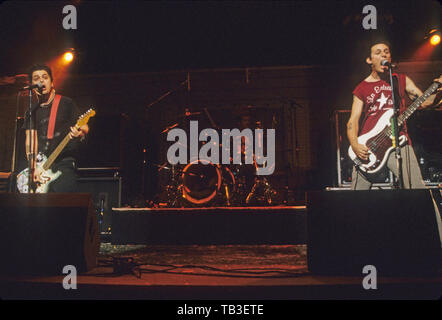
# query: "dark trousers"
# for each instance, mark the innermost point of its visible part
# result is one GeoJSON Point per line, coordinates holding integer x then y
{"type": "Point", "coordinates": [67, 182]}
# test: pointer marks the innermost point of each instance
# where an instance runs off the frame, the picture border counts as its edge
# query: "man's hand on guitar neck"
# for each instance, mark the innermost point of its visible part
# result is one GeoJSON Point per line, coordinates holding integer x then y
{"type": "Point", "coordinates": [360, 150]}
{"type": "Point", "coordinates": [78, 133]}
{"type": "Point", "coordinates": [433, 101]}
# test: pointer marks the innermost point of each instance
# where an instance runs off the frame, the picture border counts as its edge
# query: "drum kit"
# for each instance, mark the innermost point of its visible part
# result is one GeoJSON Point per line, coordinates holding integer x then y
{"type": "Point", "coordinates": [201, 183]}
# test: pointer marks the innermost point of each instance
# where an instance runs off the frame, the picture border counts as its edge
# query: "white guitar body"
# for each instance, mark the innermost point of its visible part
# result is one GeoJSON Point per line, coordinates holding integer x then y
{"type": "Point", "coordinates": [379, 139]}
{"type": "Point", "coordinates": [376, 160]}
{"type": "Point", "coordinates": [47, 175]}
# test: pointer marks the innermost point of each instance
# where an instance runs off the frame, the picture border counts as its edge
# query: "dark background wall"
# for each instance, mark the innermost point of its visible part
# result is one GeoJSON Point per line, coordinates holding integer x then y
{"type": "Point", "coordinates": [297, 101]}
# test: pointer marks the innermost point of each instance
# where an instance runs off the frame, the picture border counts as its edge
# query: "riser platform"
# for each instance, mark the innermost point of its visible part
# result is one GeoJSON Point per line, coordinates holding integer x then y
{"type": "Point", "coordinates": [214, 225]}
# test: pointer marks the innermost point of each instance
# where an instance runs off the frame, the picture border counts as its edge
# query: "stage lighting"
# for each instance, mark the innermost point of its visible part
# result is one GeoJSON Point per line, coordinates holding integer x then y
{"type": "Point", "coordinates": [68, 56]}
{"type": "Point", "coordinates": [434, 37]}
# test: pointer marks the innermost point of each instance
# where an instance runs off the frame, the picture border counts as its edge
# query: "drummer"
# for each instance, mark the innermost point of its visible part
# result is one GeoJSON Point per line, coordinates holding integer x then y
{"type": "Point", "coordinates": [245, 173]}
{"type": "Point", "coordinates": [244, 121]}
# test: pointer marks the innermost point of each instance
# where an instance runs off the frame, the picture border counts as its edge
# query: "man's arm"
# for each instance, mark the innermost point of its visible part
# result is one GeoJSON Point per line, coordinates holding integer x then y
{"type": "Point", "coordinates": [31, 144]}
{"type": "Point", "coordinates": [31, 147]}
{"type": "Point", "coordinates": [353, 128]}
{"type": "Point", "coordinates": [414, 92]}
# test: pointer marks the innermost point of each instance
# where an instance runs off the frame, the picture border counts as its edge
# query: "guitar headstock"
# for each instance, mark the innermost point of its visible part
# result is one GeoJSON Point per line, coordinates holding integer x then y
{"type": "Point", "coordinates": [84, 118]}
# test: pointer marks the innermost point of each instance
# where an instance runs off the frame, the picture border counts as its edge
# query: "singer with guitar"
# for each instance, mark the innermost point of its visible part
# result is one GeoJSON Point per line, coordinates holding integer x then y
{"type": "Point", "coordinates": [371, 147]}
{"type": "Point", "coordinates": [52, 118]}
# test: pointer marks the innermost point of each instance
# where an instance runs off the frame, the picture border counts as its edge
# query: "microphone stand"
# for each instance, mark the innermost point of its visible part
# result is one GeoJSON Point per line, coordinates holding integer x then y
{"type": "Point", "coordinates": [31, 160]}
{"type": "Point", "coordinates": [166, 94]}
{"type": "Point", "coordinates": [12, 178]}
{"type": "Point", "coordinates": [144, 169]}
{"type": "Point", "coordinates": [395, 131]}
{"type": "Point", "coordinates": [293, 129]}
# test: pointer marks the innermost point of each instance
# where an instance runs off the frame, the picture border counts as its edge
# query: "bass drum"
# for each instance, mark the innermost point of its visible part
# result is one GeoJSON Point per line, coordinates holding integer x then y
{"type": "Point", "coordinates": [204, 183]}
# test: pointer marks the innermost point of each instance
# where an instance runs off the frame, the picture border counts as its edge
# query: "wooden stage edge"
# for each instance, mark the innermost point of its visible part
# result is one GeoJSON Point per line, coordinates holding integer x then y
{"type": "Point", "coordinates": [100, 283]}
{"type": "Point", "coordinates": [199, 209]}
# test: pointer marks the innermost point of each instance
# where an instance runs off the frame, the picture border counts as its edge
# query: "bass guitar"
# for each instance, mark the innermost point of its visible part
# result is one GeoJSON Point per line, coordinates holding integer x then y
{"type": "Point", "coordinates": [379, 140]}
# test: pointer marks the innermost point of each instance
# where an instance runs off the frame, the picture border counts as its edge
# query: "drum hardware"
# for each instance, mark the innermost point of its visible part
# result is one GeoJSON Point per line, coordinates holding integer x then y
{"type": "Point", "coordinates": [207, 184]}
{"type": "Point", "coordinates": [217, 186]}
{"type": "Point", "coordinates": [267, 194]}
{"type": "Point", "coordinates": [252, 192]}
{"type": "Point", "coordinates": [170, 127]}
{"type": "Point", "coordinates": [186, 114]}
{"type": "Point", "coordinates": [173, 188]}
{"type": "Point", "coordinates": [149, 106]}
{"type": "Point", "coordinates": [229, 188]}
{"type": "Point", "coordinates": [203, 183]}
{"type": "Point", "coordinates": [214, 126]}
{"type": "Point", "coordinates": [227, 194]}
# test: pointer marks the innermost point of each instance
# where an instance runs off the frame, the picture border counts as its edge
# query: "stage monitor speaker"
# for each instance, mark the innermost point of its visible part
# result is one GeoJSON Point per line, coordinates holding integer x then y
{"type": "Point", "coordinates": [42, 233]}
{"type": "Point", "coordinates": [394, 230]}
{"type": "Point", "coordinates": [106, 194]}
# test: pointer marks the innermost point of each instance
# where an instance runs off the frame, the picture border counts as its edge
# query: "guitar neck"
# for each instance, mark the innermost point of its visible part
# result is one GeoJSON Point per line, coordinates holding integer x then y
{"type": "Point", "coordinates": [417, 103]}
{"type": "Point", "coordinates": [81, 121]}
{"type": "Point", "coordinates": [56, 152]}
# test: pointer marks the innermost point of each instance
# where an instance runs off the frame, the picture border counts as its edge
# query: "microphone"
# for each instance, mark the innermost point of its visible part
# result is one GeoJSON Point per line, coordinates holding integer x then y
{"type": "Point", "coordinates": [385, 63]}
{"type": "Point", "coordinates": [34, 86]}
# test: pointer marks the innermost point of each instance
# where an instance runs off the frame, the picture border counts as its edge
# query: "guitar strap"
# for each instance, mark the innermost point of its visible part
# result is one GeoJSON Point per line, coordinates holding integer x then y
{"type": "Point", "coordinates": [53, 116]}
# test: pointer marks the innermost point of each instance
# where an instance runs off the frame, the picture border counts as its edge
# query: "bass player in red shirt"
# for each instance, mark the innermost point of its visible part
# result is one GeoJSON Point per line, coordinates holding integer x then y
{"type": "Point", "coordinates": [373, 97]}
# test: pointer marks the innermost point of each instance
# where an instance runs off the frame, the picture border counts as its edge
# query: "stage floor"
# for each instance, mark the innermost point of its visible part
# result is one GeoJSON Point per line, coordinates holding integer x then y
{"type": "Point", "coordinates": [226, 272]}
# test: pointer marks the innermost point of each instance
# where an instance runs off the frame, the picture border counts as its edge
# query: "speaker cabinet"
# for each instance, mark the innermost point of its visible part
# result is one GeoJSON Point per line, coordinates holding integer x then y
{"type": "Point", "coordinates": [394, 230]}
{"type": "Point", "coordinates": [106, 194]}
{"type": "Point", "coordinates": [41, 233]}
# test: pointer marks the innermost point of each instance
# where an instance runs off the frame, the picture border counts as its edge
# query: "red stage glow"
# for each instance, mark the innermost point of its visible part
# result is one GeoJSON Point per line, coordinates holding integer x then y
{"type": "Point", "coordinates": [427, 48]}
{"type": "Point", "coordinates": [60, 66]}
{"type": "Point", "coordinates": [423, 52]}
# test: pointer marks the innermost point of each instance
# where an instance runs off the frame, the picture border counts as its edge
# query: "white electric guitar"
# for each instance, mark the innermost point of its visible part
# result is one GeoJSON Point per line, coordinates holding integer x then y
{"type": "Point", "coordinates": [379, 140]}
{"type": "Point", "coordinates": [44, 163]}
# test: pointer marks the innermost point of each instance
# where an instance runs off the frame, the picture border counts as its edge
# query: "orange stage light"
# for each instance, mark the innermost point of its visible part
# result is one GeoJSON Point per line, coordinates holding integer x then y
{"type": "Point", "coordinates": [60, 66]}
{"type": "Point", "coordinates": [68, 56]}
{"type": "Point", "coordinates": [435, 39]}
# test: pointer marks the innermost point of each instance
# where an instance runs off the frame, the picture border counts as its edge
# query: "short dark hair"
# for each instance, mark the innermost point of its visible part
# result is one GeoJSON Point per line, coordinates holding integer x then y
{"type": "Point", "coordinates": [375, 42]}
{"type": "Point", "coordinates": [36, 67]}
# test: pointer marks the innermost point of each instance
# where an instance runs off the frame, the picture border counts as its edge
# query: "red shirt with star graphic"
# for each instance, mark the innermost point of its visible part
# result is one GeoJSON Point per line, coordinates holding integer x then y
{"type": "Point", "coordinates": [377, 98]}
